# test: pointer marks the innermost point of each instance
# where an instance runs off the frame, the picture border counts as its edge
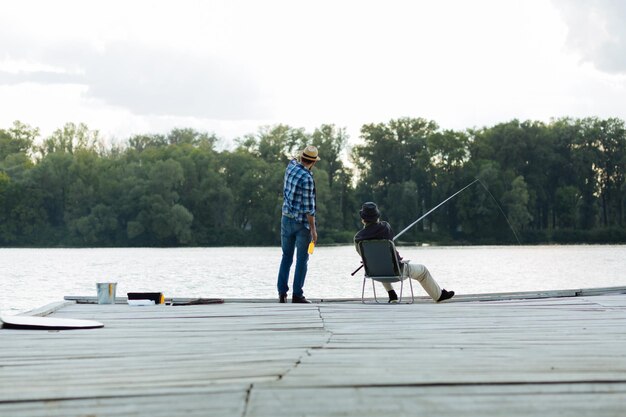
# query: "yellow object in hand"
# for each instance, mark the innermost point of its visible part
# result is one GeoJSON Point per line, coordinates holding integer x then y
{"type": "Point", "coordinates": [311, 247]}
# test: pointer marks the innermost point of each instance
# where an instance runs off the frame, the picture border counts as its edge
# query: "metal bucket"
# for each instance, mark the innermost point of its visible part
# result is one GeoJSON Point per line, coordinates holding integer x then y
{"type": "Point", "coordinates": [106, 292]}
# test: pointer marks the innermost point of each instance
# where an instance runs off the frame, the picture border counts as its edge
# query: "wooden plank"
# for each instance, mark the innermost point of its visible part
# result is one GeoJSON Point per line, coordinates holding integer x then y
{"type": "Point", "coordinates": [47, 309]}
{"type": "Point", "coordinates": [564, 354]}
{"type": "Point", "coordinates": [193, 402]}
{"type": "Point", "coordinates": [448, 401]}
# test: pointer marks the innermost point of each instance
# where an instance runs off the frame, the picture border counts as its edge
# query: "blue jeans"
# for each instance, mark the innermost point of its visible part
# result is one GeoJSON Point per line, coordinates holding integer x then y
{"type": "Point", "coordinates": [293, 235]}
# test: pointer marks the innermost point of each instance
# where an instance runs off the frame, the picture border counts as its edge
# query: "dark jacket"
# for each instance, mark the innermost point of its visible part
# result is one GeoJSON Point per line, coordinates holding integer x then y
{"type": "Point", "coordinates": [378, 230]}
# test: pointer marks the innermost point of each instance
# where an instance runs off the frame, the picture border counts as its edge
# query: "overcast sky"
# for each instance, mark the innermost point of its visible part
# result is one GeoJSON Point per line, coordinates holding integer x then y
{"type": "Point", "coordinates": [229, 67]}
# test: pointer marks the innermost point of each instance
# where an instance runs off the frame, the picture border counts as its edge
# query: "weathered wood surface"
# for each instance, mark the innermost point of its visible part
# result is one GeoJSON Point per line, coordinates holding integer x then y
{"type": "Point", "coordinates": [553, 356]}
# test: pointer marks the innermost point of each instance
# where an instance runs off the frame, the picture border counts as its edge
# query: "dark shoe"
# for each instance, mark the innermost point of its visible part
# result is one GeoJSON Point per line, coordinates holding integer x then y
{"type": "Point", "coordinates": [282, 298]}
{"type": "Point", "coordinates": [445, 295]}
{"type": "Point", "coordinates": [393, 297]}
{"type": "Point", "coordinates": [300, 299]}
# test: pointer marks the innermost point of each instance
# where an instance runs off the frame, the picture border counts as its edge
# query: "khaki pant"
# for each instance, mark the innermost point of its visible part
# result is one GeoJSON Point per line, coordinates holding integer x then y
{"type": "Point", "coordinates": [420, 273]}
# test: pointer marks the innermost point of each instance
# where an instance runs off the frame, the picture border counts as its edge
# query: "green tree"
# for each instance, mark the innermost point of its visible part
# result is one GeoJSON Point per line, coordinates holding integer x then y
{"type": "Point", "coordinates": [610, 139]}
{"type": "Point", "coordinates": [515, 202]}
{"type": "Point", "coordinates": [394, 154]}
{"type": "Point", "coordinates": [566, 201]}
{"type": "Point", "coordinates": [17, 139]}
{"type": "Point", "coordinates": [333, 180]}
{"type": "Point", "coordinates": [480, 217]}
{"type": "Point", "coordinates": [70, 138]}
{"type": "Point", "coordinates": [585, 159]}
{"type": "Point", "coordinates": [160, 219]}
{"type": "Point", "coordinates": [449, 152]}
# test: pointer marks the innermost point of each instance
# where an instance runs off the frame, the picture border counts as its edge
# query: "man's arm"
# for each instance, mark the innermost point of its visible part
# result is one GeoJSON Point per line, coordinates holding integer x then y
{"type": "Point", "coordinates": [308, 204]}
{"type": "Point", "coordinates": [312, 228]}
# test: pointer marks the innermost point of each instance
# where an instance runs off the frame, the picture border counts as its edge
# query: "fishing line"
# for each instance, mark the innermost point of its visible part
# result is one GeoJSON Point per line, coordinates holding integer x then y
{"type": "Point", "coordinates": [501, 211]}
{"type": "Point", "coordinates": [452, 196]}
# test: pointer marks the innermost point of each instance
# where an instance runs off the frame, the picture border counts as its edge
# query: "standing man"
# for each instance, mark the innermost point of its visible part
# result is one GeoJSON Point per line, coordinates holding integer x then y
{"type": "Point", "coordinates": [297, 228]}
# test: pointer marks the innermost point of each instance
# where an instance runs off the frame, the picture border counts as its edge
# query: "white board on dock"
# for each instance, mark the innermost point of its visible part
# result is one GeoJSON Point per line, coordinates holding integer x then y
{"type": "Point", "coordinates": [47, 323]}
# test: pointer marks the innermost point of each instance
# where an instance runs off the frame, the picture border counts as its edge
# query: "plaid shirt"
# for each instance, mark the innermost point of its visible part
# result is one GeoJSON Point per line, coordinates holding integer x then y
{"type": "Point", "coordinates": [298, 193]}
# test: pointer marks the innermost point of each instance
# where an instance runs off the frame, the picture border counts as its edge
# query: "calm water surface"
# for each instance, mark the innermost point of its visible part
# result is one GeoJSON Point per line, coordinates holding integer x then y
{"type": "Point", "coordinates": [31, 278]}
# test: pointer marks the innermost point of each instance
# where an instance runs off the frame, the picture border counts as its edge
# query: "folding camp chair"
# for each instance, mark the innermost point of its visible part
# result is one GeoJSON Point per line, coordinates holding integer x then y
{"type": "Point", "coordinates": [381, 264]}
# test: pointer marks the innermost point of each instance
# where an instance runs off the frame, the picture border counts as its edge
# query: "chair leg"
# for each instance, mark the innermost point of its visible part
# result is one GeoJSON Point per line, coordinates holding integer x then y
{"type": "Point", "coordinates": [374, 288]}
{"type": "Point", "coordinates": [412, 296]}
{"type": "Point", "coordinates": [363, 292]}
{"type": "Point", "coordinates": [401, 288]}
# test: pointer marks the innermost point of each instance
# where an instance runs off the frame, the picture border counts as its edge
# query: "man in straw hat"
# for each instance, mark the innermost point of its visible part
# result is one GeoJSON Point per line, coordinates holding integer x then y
{"type": "Point", "coordinates": [373, 228]}
{"type": "Point", "coordinates": [297, 228]}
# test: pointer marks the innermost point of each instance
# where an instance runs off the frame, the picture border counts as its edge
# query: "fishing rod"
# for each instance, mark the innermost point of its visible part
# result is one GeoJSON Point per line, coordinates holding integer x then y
{"type": "Point", "coordinates": [477, 180]}
{"type": "Point", "coordinates": [427, 213]}
{"type": "Point", "coordinates": [435, 208]}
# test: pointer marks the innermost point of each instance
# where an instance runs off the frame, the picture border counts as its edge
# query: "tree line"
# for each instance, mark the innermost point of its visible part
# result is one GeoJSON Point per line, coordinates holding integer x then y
{"type": "Point", "coordinates": [561, 181]}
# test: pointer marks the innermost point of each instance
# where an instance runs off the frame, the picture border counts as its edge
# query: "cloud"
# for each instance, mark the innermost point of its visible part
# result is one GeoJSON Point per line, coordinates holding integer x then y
{"type": "Point", "coordinates": [37, 77]}
{"type": "Point", "coordinates": [160, 82]}
{"type": "Point", "coordinates": [597, 31]}
{"type": "Point", "coordinates": [231, 66]}
{"type": "Point", "coordinates": [147, 80]}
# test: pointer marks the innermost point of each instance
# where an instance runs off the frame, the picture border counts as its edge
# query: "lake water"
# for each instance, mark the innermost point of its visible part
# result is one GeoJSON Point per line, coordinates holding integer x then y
{"type": "Point", "coordinates": [31, 278]}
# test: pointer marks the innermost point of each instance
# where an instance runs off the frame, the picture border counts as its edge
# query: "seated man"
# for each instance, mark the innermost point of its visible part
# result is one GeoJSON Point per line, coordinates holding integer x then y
{"type": "Point", "coordinates": [373, 228]}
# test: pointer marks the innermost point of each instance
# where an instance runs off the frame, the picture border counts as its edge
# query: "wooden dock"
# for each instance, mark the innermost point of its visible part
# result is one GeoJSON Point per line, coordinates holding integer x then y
{"type": "Point", "coordinates": [507, 355]}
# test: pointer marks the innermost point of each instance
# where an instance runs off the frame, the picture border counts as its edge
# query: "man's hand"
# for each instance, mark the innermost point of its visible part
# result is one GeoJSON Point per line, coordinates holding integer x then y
{"type": "Point", "coordinates": [314, 235]}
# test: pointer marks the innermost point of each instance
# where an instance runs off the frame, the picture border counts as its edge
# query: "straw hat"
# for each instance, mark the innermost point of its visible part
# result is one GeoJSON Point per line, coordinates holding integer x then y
{"type": "Point", "coordinates": [310, 154]}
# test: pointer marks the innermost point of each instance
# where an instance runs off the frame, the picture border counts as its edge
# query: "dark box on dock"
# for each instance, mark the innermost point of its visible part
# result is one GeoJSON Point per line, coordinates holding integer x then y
{"type": "Point", "coordinates": [157, 297]}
